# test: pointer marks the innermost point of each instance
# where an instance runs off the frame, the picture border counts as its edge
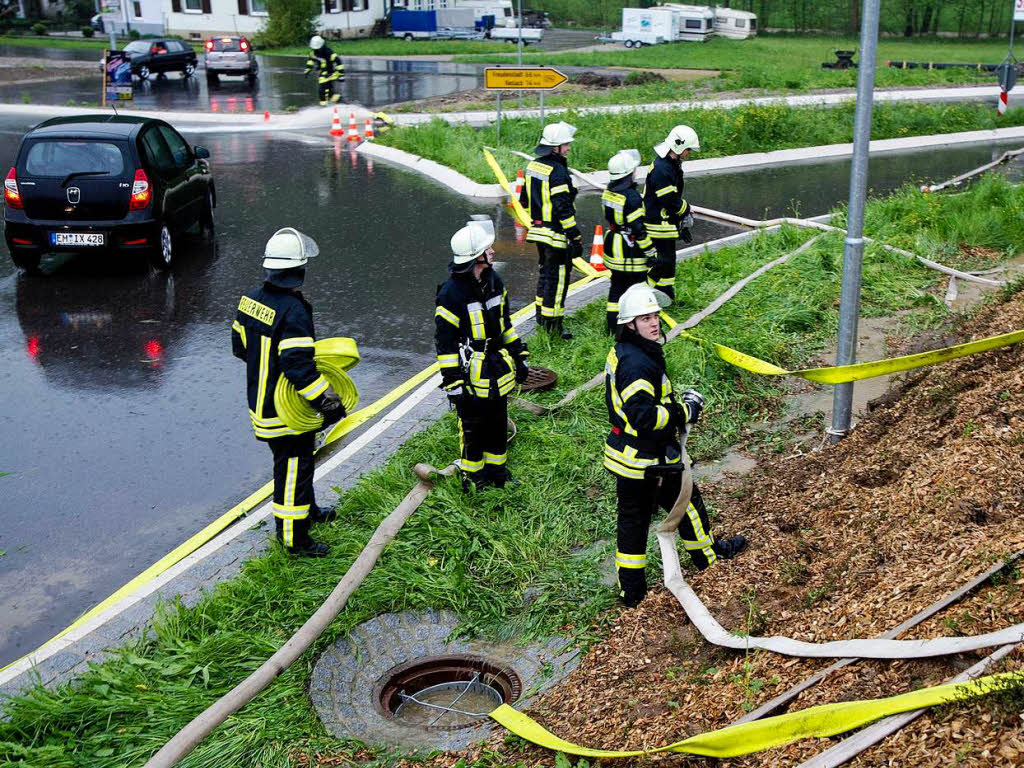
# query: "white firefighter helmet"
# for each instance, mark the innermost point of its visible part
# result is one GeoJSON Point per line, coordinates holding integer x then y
{"type": "Point", "coordinates": [472, 240]}
{"type": "Point", "coordinates": [623, 163]}
{"type": "Point", "coordinates": [640, 299]}
{"type": "Point", "coordinates": [288, 248]}
{"type": "Point", "coordinates": [557, 134]}
{"type": "Point", "coordinates": [679, 139]}
{"type": "Point", "coordinates": [316, 42]}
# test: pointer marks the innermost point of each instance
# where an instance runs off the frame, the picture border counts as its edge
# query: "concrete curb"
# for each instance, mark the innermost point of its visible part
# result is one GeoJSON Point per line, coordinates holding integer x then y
{"type": "Point", "coordinates": [484, 117]}
{"type": "Point", "coordinates": [466, 186]}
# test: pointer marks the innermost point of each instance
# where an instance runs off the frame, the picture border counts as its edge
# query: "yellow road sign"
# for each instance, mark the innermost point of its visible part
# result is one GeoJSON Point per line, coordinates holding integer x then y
{"type": "Point", "coordinates": [523, 78]}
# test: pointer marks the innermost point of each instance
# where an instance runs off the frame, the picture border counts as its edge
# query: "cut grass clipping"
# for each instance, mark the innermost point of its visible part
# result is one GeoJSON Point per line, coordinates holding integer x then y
{"type": "Point", "coordinates": [722, 132]}
{"type": "Point", "coordinates": [478, 554]}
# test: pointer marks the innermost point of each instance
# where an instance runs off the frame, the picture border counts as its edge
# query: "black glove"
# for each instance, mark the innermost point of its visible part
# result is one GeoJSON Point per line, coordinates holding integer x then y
{"type": "Point", "coordinates": [684, 233]}
{"type": "Point", "coordinates": [694, 402]}
{"type": "Point", "coordinates": [455, 392]}
{"type": "Point", "coordinates": [522, 370]}
{"type": "Point", "coordinates": [574, 234]}
{"type": "Point", "coordinates": [652, 257]}
{"type": "Point", "coordinates": [330, 407]}
{"type": "Point", "coordinates": [575, 250]}
{"type": "Point", "coordinates": [677, 415]}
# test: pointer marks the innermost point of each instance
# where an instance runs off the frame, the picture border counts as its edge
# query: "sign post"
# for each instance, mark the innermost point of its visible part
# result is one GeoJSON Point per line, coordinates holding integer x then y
{"type": "Point", "coordinates": [523, 79]}
{"type": "Point", "coordinates": [1007, 70]}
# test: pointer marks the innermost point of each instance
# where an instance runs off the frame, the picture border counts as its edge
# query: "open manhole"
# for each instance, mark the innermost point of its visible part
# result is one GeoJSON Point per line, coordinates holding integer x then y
{"type": "Point", "coordinates": [446, 692]}
{"type": "Point", "coordinates": [539, 380]}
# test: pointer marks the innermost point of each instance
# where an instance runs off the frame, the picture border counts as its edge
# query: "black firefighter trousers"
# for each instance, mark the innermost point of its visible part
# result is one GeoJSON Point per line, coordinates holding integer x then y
{"type": "Point", "coordinates": [637, 500]}
{"type": "Point", "coordinates": [552, 283]}
{"type": "Point", "coordinates": [483, 439]}
{"type": "Point", "coordinates": [663, 274]}
{"type": "Point", "coordinates": [293, 488]}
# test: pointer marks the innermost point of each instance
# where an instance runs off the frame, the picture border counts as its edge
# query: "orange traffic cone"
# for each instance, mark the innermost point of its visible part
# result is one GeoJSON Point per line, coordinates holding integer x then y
{"type": "Point", "coordinates": [519, 183]}
{"type": "Point", "coordinates": [353, 132]}
{"type": "Point", "coordinates": [520, 232]}
{"type": "Point", "coordinates": [597, 250]}
{"type": "Point", "coordinates": [266, 115]}
{"type": "Point", "coordinates": [368, 132]}
{"type": "Point", "coordinates": [336, 124]}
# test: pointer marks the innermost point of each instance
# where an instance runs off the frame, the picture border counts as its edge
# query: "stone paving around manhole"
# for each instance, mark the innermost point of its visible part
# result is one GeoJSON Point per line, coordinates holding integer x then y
{"type": "Point", "coordinates": [347, 676]}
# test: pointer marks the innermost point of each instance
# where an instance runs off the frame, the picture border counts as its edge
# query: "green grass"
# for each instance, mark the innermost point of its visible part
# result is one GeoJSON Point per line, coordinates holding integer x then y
{"type": "Point", "coordinates": [722, 132]}
{"type": "Point", "coordinates": [783, 63]}
{"type": "Point", "coordinates": [477, 554]}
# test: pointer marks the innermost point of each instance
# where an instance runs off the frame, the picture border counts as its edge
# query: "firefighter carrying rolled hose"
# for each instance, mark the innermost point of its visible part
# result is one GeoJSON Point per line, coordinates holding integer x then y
{"type": "Point", "coordinates": [643, 449]}
{"type": "Point", "coordinates": [479, 352]}
{"type": "Point", "coordinates": [628, 250]}
{"type": "Point", "coordinates": [273, 334]}
{"type": "Point", "coordinates": [329, 69]}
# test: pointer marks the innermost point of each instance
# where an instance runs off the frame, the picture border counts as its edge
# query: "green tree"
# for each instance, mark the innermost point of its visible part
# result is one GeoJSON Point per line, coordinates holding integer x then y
{"type": "Point", "coordinates": [290, 22]}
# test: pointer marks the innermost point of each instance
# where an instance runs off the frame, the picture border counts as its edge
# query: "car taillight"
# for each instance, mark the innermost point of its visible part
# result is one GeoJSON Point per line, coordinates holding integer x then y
{"type": "Point", "coordinates": [244, 45]}
{"type": "Point", "coordinates": [141, 191]}
{"type": "Point", "coordinates": [11, 194]}
{"type": "Point", "coordinates": [209, 45]}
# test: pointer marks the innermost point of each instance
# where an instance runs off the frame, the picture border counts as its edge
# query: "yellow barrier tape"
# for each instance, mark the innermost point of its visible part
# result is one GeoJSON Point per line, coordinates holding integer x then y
{"type": "Point", "coordinates": [521, 215]}
{"type": "Point", "coordinates": [667, 320]}
{"type": "Point", "coordinates": [845, 373]}
{"type": "Point", "coordinates": [821, 721]}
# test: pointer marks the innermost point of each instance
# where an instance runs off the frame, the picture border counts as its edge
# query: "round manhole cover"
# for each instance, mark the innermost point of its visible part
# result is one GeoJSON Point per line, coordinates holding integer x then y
{"type": "Point", "coordinates": [446, 692]}
{"type": "Point", "coordinates": [539, 380]}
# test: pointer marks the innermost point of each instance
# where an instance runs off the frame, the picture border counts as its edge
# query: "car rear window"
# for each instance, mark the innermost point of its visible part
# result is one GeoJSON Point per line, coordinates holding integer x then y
{"type": "Point", "coordinates": [59, 157]}
{"type": "Point", "coordinates": [225, 44]}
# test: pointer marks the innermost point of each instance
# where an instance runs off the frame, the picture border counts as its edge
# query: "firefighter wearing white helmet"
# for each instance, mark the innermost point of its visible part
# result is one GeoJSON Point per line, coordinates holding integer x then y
{"type": "Point", "coordinates": [328, 67]}
{"type": "Point", "coordinates": [668, 214]}
{"type": "Point", "coordinates": [479, 352]}
{"type": "Point", "coordinates": [643, 449]}
{"type": "Point", "coordinates": [273, 333]}
{"type": "Point", "coordinates": [550, 198]}
{"type": "Point", "coordinates": [628, 249]}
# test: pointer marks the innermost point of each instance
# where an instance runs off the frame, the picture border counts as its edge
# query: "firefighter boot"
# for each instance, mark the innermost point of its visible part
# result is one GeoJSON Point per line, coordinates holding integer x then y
{"type": "Point", "coordinates": [322, 515]}
{"type": "Point", "coordinates": [556, 327]}
{"type": "Point", "coordinates": [727, 549]}
{"type": "Point", "coordinates": [309, 549]}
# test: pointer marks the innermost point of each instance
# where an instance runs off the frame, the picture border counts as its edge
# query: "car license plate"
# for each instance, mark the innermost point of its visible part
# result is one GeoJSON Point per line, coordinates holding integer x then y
{"type": "Point", "coordinates": [78, 238]}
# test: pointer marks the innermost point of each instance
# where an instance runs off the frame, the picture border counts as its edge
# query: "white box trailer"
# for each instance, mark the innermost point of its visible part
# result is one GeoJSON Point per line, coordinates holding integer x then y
{"type": "Point", "coordinates": [693, 23]}
{"type": "Point", "coordinates": [646, 26]}
{"type": "Point", "coordinates": [511, 34]}
{"type": "Point", "coordinates": [734, 24]}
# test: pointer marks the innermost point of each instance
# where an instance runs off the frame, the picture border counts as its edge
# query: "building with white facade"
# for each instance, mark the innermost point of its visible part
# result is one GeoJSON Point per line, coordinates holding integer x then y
{"type": "Point", "coordinates": [197, 19]}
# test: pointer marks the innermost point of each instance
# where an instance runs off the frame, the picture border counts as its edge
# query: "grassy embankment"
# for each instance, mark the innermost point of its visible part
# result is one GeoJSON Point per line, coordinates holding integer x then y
{"type": "Point", "coordinates": [722, 132]}
{"type": "Point", "coordinates": [477, 554]}
{"type": "Point", "coordinates": [370, 47]}
{"type": "Point", "coordinates": [768, 63]}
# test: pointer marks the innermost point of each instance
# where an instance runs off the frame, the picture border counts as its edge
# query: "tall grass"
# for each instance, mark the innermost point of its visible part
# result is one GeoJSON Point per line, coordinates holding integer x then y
{"type": "Point", "coordinates": [477, 554]}
{"type": "Point", "coordinates": [722, 132]}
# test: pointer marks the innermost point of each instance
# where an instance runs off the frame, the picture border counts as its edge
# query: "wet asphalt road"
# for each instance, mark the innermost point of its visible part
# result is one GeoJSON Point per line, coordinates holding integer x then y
{"type": "Point", "coordinates": [123, 409]}
{"type": "Point", "coordinates": [281, 84]}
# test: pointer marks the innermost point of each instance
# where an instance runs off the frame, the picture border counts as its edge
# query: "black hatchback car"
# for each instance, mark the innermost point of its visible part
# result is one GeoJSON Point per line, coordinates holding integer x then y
{"type": "Point", "coordinates": [103, 183]}
{"type": "Point", "coordinates": [155, 57]}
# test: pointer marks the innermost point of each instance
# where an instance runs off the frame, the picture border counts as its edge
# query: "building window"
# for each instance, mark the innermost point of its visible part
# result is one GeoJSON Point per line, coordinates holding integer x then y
{"type": "Point", "coordinates": [137, 9]}
{"type": "Point", "coordinates": [332, 6]}
{"type": "Point", "coordinates": [193, 6]}
{"type": "Point", "coordinates": [259, 7]}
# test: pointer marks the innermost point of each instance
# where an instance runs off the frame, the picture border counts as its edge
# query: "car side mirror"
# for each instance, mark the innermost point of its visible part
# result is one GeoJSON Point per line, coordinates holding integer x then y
{"type": "Point", "coordinates": [202, 153]}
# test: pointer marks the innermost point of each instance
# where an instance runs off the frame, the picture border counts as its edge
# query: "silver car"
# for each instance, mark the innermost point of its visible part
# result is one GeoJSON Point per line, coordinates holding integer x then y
{"type": "Point", "coordinates": [230, 56]}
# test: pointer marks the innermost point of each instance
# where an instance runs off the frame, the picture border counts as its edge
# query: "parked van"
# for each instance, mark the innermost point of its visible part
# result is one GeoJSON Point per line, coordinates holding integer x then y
{"type": "Point", "coordinates": [734, 24]}
{"type": "Point", "coordinates": [694, 23]}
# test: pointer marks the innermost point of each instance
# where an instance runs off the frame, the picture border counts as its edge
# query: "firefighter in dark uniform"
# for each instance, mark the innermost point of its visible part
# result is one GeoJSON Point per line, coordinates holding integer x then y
{"type": "Point", "coordinates": [628, 249]}
{"type": "Point", "coordinates": [273, 334]}
{"type": "Point", "coordinates": [480, 354]}
{"type": "Point", "coordinates": [668, 215]}
{"type": "Point", "coordinates": [550, 198]}
{"type": "Point", "coordinates": [329, 69]}
{"type": "Point", "coordinates": [646, 421]}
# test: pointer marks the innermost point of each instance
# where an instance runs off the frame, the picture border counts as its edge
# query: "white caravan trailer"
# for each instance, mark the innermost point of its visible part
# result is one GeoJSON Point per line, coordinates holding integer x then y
{"type": "Point", "coordinates": [695, 23]}
{"type": "Point", "coordinates": [646, 26]}
{"type": "Point", "coordinates": [736, 25]}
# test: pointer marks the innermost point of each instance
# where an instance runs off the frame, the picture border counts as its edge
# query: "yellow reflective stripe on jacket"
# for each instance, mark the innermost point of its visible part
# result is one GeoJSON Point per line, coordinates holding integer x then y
{"type": "Point", "coordinates": [477, 329]}
{"type": "Point", "coordinates": [509, 335]}
{"type": "Point", "coordinates": [264, 373]}
{"type": "Point", "coordinates": [640, 385]}
{"type": "Point", "coordinates": [238, 328]}
{"type": "Point", "coordinates": [682, 207]}
{"type": "Point", "coordinates": [610, 367]}
{"type": "Point", "coordinates": [568, 223]}
{"type": "Point", "coordinates": [666, 190]}
{"type": "Point", "coordinates": [296, 342]}
{"type": "Point", "coordinates": [547, 236]}
{"type": "Point", "coordinates": [662, 231]}
{"type": "Point", "coordinates": [314, 390]}
{"type": "Point", "coordinates": [637, 214]}
{"type": "Point", "coordinates": [661, 420]}
{"type": "Point", "coordinates": [447, 314]}
{"type": "Point", "coordinates": [541, 172]}
{"type": "Point", "coordinates": [448, 361]}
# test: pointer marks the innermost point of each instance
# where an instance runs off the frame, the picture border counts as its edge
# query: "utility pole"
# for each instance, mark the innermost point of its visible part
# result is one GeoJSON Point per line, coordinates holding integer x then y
{"type": "Point", "coordinates": [853, 247]}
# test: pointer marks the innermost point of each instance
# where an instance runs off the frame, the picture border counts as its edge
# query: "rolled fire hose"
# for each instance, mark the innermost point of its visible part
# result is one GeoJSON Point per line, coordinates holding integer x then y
{"type": "Point", "coordinates": [333, 357]}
